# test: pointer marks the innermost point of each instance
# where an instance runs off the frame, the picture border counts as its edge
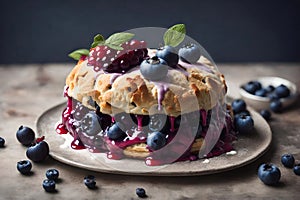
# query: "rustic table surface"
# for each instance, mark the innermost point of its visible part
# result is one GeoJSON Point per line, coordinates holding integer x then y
{"type": "Point", "coordinates": [26, 91]}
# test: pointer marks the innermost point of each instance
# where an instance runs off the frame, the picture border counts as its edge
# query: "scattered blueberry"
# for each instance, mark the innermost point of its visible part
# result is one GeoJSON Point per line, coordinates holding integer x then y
{"type": "Point", "coordinates": [140, 192]}
{"type": "Point", "coordinates": [244, 124]}
{"type": "Point", "coordinates": [288, 160]}
{"type": "Point", "coordinates": [52, 174]}
{"type": "Point", "coordinates": [115, 132]}
{"type": "Point", "coordinates": [238, 106]}
{"type": "Point", "coordinates": [265, 114]}
{"type": "Point", "coordinates": [154, 68]}
{"type": "Point", "coordinates": [190, 53]}
{"type": "Point", "coordinates": [25, 135]}
{"type": "Point", "coordinates": [156, 140]}
{"type": "Point", "coordinates": [297, 169]}
{"type": "Point", "coordinates": [90, 124]}
{"type": "Point", "coordinates": [269, 174]}
{"type": "Point", "coordinates": [282, 91]}
{"type": "Point", "coordinates": [2, 142]}
{"type": "Point", "coordinates": [276, 106]}
{"type": "Point", "coordinates": [90, 182]}
{"type": "Point", "coordinates": [261, 92]}
{"type": "Point", "coordinates": [49, 185]}
{"type": "Point", "coordinates": [270, 88]}
{"type": "Point", "coordinates": [168, 54]}
{"type": "Point", "coordinates": [24, 166]}
{"type": "Point", "coordinates": [245, 112]}
{"type": "Point", "coordinates": [38, 152]}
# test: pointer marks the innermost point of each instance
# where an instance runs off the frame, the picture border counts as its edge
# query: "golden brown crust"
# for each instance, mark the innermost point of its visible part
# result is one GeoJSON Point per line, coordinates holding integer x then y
{"type": "Point", "coordinates": [182, 89]}
{"type": "Point", "coordinates": [140, 150]}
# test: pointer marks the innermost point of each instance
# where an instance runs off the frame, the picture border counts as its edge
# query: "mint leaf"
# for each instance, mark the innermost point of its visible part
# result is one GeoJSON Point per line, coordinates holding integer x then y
{"type": "Point", "coordinates": [117, 39]}
{"type": "Point", "coordinates": [98, 39]}
{"type": "Point", "coordinates": [115, 47]}
{"type": "Point", "coordinates": [76, 55]}
{"type": "Point", "coordinates": [175, 35]}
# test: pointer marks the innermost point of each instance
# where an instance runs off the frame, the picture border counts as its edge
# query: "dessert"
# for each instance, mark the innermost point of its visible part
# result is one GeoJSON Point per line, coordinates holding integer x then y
{"type": "Point", "coordinates": [128, 100]}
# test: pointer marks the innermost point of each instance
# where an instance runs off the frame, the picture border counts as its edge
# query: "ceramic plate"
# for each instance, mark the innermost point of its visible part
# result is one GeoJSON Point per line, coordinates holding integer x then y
{"type": "Point", "coordinates": [248, 149]}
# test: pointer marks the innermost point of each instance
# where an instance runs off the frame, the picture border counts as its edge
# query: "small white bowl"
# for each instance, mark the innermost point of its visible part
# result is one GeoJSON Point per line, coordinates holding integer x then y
{"type": "Point", "coordinates": [260, 103]}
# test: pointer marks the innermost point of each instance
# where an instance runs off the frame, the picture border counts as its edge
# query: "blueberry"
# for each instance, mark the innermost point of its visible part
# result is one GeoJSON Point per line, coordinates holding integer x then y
{"type": "Point", "coordinates": [244, 124]}
{"type": "Point", "coordinates": [140, 192]}
{"type": "Point", "coordinates": [2, 142]}
{"type": "Point", "coordinates": [269, 174]}
{"type": "Point", "coordinates": [168, 54]}
{"type": "Point", "coordinates": [49, 185]}
{"type": "Point", "coordinates": [24, 166]}
{"type": "Point", "coordinates": [90, 124]}
{"type": "Point", "coordinates": [297, 169]}
{"type": "Point", "coordinates": [115, 132]}
{"type": "Point", "coordinates": [288, 160]}
{"type": "Point", "coordinates": [245, 112]}
{"type": "Point", "coordinates": [25, 135]}
{"type": "Point", "coordinates": [252, 87]}
{"type": "Point", "coordinates": [52, 174]}
{"type": "Point", "coordinates": [270, 88]}
{"type": "Point", "coordinates": [190, 53]}
{"type": "Point", "coordinates": [273, 96]}
{"type": "Point", "coordinates": [265, 114]}
{"type": "Point", "coordinates": [156, 140]}
{"type": "Point", "coordinates": [90, 182]}
{"type": "Point", "coordinates": [154, 69]}
{"type": "Point", "coordinates": [238, 106]}
{"type": "Point", "coordinates": [158, 122]}
{"type": "Point", "coordinates": [38, 152]}
{"type": "Point", "coordinates": [261, 92]}
{"type": "Point", "coordinates": [282, 91]}
{"type": "Point", "coordinates": [276, 106]}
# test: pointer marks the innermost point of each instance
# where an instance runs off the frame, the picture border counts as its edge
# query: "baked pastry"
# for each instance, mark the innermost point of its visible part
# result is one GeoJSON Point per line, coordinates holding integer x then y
{"type": "Point", "coordinates": [157, 105]}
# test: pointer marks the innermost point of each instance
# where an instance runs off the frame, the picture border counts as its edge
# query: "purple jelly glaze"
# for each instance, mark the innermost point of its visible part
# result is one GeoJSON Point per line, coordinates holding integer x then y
{"type": "Point", "coordinates": [178, 146]}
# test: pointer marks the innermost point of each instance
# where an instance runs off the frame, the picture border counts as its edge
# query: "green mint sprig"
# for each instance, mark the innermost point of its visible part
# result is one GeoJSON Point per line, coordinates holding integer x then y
{"type": "Point", "coordinates": [114, 42]}
{"type": "Point", "coordinates": [174, 35]}
{"type": "Point", "coordinates": [76, 55]}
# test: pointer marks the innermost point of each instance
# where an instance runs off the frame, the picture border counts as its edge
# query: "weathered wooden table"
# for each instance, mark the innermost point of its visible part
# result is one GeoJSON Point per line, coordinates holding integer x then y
{"type": "Point", "coordinates": [26, 91]}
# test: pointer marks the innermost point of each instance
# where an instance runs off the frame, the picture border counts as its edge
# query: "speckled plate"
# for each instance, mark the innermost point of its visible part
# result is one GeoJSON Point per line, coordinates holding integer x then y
{"type": "Point", "coordinates": [248, 149]}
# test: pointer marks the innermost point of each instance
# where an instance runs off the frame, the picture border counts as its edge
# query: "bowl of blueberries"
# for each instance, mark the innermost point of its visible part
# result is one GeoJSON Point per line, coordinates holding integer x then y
{"type": "Point", "coordinates": [273, 93]}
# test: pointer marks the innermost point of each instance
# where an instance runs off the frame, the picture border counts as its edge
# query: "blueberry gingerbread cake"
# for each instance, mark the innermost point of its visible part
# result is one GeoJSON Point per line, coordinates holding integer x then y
{"type": "Point", "coordinates": [130, 101]}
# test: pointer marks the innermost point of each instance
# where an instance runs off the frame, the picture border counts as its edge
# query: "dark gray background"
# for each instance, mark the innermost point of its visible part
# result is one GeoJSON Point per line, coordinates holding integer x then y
{"type": "Point", "coordinates": [231, 30]}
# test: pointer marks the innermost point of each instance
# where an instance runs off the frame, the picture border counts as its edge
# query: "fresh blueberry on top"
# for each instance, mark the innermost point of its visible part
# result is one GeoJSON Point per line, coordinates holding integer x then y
{"type": "Point", "coordinates": [52, 174]}
{"type": "Point", "coordinates": [269, 174]}
{"type": "Point", "coordinates": [2, 142]}
{"type": "Point", "coordinates": [270, 88]}
{"type": "Point", "coordinates": [140, 192]}
{"type": "Point", "coordinates": [24, 166]}
{"type": "Point", "coordinates": [288, 160]}
{"type": "Point", "coordinates": [276, 106]}
{"type": "Point", "coordinates": [244, 124]}
{"type": "Point", "coordinates": [238, 106]}
{"type": "Point", "coordinates": [91, 124]}
{"type": "Point", "coordinates": [49, 185]}
{"type": "Point", "coordinates": [156, 140]}
{"type": "Point", "coordinates": [190, 53]}
{"type": "Point", "coordinates": [154, 69]}
{"type": "Point", "coordinates": [261, 92]}
{"type": "Point", "coordinates": [168, 54]}
{"type": "Point", "coordinates": [297, 169]}
{"type": "Point", "coordinates": [116, 132]}
{"type": "Point", "coordinates": [265, 114]}
{"type": "Point", "coordinates": [282, 91]}
{"type": "Point", "coordinates": [25, 135]}
{"type": "Point", "coordinates": [90, 182]}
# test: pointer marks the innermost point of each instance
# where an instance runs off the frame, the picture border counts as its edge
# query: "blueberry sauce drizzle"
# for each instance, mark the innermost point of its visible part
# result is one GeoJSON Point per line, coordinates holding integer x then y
{"type": "Point", "coordinates": [114, 149]}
